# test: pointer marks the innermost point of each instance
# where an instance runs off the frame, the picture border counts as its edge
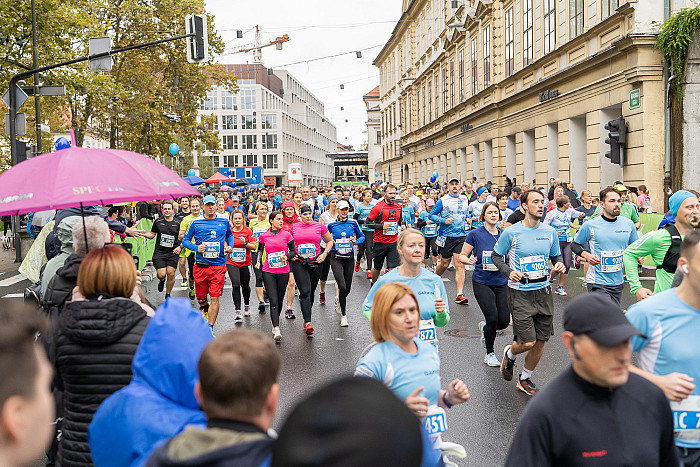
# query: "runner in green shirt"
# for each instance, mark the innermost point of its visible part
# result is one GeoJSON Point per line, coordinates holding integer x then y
{"type": "Point", "coordinates": [628, 209]}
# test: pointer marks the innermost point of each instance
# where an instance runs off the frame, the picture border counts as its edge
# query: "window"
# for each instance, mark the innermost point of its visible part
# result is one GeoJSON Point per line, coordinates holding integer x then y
{"type": "Point", "coordinates": [508, 19]}
{"type": "Point", "coordinates": [249, 141]}
{"type": "Point", "coordinates": [379, 137]}
{"type": "Point", "coordinates": [426, 106]}
{"type": "Point", "coordinates": [528, 45]}
{"type": "Point", "coordinates": [437, 93]}
{"type": "Point", "coordinates": [475, 65]}
{"type": "Point", "coordinates": [229, 122]}
{"type": "Point", "coordinates": [215, 162]}
{"type": "Point", "coordinates": [269, 161]}
{"type": "Point", "coordinates": [452, 83]}
{"type": "Point", "coordinates": [430, 101]}
{"type": "Point", "coordinates": [269, 141]}
{"type": "Point", "coordinates": [209, 103]}
{"type": "Point", "coordinates": [487, 56]}
{"type": "Point", "coordinates": [575, 18]}
{"type": "Point", "coordinates": [429, 33]}
{"type": "Point", "coordinates": [268, 122]}
{"type": "Point", "coordinates": [461, 75]}
{"type": "Point", "coordinates": [248, 122]}
{"type": "Point", "coordinates": [250, 160]}
{"type": "Point", "coordinates": [418, 107]}
{"type": "Point", "coordinates": [550, 25]}
{"type": "Point", "coordinates": [248, 99]}
{"type": "Point", "coordinates": [609, 7]}
{"type": "Point", "coordinates": [230, 142]}
{"type": "Point", "coordinates": [231, 160]}
{"type": "Point", "coordinates": [444, 90]}
{"type": "Point", "coordinates": [228, 101]}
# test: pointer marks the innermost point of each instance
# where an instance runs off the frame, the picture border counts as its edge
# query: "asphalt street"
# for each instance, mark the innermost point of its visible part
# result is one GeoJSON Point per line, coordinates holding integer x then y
{"type": "Point", "coordinates": [484, 425]}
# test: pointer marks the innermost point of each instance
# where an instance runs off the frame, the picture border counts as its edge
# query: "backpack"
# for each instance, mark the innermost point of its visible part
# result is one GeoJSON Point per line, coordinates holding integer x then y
{"type": "Point", "coordinates": [674, 251]}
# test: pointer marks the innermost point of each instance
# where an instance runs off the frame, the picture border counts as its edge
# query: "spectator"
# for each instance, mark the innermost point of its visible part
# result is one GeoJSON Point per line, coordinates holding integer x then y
{"type": "Point", "coordinates": [64, 232]}
{"type": "Point", "coordinates": [26, 405]}
{"type": "Point", "coordinates": [238, 391]}
{"type": "Point", "coordinates": [159, 401]}
{"type": "Point", "coordinates": [95, 336]}
{"type": "Point", "coordinates": [643, 199]}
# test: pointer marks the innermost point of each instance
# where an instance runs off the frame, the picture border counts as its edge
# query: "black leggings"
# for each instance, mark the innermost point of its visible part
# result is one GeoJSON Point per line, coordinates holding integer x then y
{"type": "Point", "coordinates": [493, 300]}
{"type": "Point", "coordinates": [306, 277]}
{"type": "Point", "coordinates": [431, 247]}
{"type": "Point", "coordinates": [190, 265]}
{"type": "Point", "coordinates": [256, 271]}
{"type": "Point", "coordinates": [566, 254]}
{"type": "Point", "coordinates": [276, 286]}
{"type": "Point", "coordinates": [365, 248]}
{"type": "Point", "coordinates": [343, 268]}
{"type": "Point", "coordinates": [240, 280]}
{"type": "Point", "coordinates": [325, 268]}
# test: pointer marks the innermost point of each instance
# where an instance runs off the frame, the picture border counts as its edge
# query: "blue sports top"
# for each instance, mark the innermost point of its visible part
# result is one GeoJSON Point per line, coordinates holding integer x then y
{"type": "Point", "coordinates": [455, 207]}
{"type": "Point", "coordinates": [211, 232]}
{"type": "Point", "coordinates": [363, 211]}
{"type": "Point", "coordinates": [428, 230]}
{"type": "Point", "coordinates": [349, 227]}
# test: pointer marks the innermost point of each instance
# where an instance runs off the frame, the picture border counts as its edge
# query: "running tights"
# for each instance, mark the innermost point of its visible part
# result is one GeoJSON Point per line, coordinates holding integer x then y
{"type": "Point", "coordinates": [493, 300]}
{"type": "Point", "coordinates": [276, 286]}
{"type": "Point", "coordinates": [325, 268]}
{"type": "Point", "coordinates": [343, 269]}
{"type": "Point", "coordinates": [306, 277]}
{"type": "Point", "coordinates": [365, 248]}
{"type": "Point", "coordinates": [190, 265]}
{"type": "Point", "coordinates": [240, 280]}
{"type": "Point", "coordinates": [256, 271]}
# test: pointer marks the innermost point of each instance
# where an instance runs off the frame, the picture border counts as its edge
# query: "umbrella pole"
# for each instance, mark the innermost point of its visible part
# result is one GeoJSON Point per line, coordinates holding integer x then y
{"type": "Point", "coordinates": [82, 215]}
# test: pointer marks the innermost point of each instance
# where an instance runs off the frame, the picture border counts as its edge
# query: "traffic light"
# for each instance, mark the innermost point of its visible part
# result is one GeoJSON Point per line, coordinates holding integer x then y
{"type": "Point", "coordinates": [198, 44]}
{"type": "Point", "coordinates": [617, 130]}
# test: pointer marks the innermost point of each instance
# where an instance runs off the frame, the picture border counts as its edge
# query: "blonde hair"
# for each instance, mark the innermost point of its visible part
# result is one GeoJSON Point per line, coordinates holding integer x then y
{"type": "Point", "coordinates": [387, 295]}
{"type": "Point", "coordinates": [109, 269]}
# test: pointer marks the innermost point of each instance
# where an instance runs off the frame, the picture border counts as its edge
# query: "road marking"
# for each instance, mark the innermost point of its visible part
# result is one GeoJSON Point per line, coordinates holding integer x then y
{"type": "Point", "coordinates": [445, 279]}
{"type": "Point", "coordinates": [13, 295]}
{"type": "Point", "coordinates": [12, 280]}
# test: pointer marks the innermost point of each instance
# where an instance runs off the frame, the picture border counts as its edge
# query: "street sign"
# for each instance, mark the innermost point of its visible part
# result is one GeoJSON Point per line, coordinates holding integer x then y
{"type": "Point", "coordinates": [635, 98]}
{"type": "Point", "coordinates": [100, 45]}
{"type": "Point", "coordinates": [20, 124]}
{"type": "Point", "coordinates": [49, 90]}
{"type": "Point", "coordinates": [20, 98]}
{"type": "Point", "coordinates": [44, 128]}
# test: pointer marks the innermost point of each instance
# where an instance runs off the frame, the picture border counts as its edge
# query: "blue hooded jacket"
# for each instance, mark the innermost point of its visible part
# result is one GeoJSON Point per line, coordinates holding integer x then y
{"type": "Point", "coordinates": [159, 402]}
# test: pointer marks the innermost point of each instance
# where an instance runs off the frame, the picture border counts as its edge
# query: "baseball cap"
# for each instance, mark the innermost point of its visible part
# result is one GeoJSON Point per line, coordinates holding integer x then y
{"type": "Point", "coordinates": [342, 204]}
{"type": "Point", "coordinates": [620, 187]}
{"type": "Point", "coordinates": [430, 202]}
{"type": "Point", "coordinates": [270, 194]}
{"type": "Point", "coordinates": [235, 198]}
{"type": "Point", "coordinates": [599, 318]}
{"type": "Point", "coordinates": [209, 199]}
{"type": "Point", "coordinates": [455, 179]}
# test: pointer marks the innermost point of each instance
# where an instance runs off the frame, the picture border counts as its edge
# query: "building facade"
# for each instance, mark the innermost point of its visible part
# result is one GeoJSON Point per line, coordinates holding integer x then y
{"type": "Point", "coordinates": [273, 121]}
{"type": "Point", "coordinates": [374, 134]}
{"type": "Point", "coordinates": [523, 88]}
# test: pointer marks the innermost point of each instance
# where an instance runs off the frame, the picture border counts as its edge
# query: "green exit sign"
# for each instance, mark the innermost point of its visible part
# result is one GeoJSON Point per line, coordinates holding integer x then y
{"type": "Point", "coordinates": [635, 98]}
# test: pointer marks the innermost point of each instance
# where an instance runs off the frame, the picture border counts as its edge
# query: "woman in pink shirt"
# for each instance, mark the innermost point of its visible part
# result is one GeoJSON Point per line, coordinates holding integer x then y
{"type": "Point", "coordinates": [276, 248]}
{"type": "Point", "coordinates": [290, 218]}
{"type": "Point", "coordinates": [307, 264]}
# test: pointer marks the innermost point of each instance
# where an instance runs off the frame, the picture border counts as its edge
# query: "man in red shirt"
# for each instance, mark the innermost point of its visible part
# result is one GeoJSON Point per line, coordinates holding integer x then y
{"type": "Point", "coordinates": [385, 219]}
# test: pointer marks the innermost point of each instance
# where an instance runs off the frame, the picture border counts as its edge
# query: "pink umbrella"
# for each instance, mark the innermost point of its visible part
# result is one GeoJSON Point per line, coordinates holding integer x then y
{"type": "Point", "coordinates": [79, 176]}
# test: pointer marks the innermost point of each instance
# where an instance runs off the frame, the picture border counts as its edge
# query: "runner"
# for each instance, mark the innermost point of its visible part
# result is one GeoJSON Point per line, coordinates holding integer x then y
{"type": "Point", "coordinates": [385, 219]}
{"type": "Point", "coordinates": [238, 261]}
{"type": "Point", "coordinates": [589, 210]}
{"type": "Point", "coordinates": [451, 212]}
{"type": "Point", "coordinates": [346, 232]}
{"type": "Point", "coordinates": [210, 236]}
{"type": "Point", "coordinates": [601, 241]}
{"type": "Point", "coordinates": [502, 200]}
{"type": "Point", "coordinates": [327, 218]}
{"type": "Point", "coordinates": [529, 245]}
{"type": "Point", "coordinates": [428, 286]}
{"type": "Point", "coordinates": [166, 253]}
{"type": "Point", "coordinates": [185, 254]}
{"type": "Point", "coordinates": [475, 208]}
{"type": "Point", "coordinates": [184, 211]}
{"type": "Point", "coordinates": [221, 209]}
{"type": "Point", "coordinates": [561, 219]}
{"type": "Point", "coordinates": [663, 245]}
{"type": "Point", "coordinates": [290, 217]}
{"type": "Point", "coordinates": [489, 285]}
{"type": "Point", "coordinates": [276, 247]}
{"type": "Point", "coordinates": [306, 266]}
{"type": "Point", "coordinates": [259, 225]}
{"type": "Point", "coordinates": [361, 212]}
{"type": "Point", "coordinates": [628, 210]}
{"type": "Point", "coordinates": [408, 212]}
{"type": "Point", "coordinates": [429, 230]}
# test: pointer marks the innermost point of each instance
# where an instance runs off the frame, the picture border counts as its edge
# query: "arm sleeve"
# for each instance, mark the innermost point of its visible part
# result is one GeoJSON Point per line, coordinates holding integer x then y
{"type": "Point", "coordinates": [435, 213]}
{"type": "Point", "coordinates": [500, 263]}
{"type": "Point", "coordinates": [420, 223]}
{"type": "Point", "coordinates": [639, 249]}
{"type": "Point", "coordinates": [441, 319]}
{"type": "Point", "coordinates": [187, 239]}
{"type": "Point", "coordinates": [292, 250]}
{"type": "Point", "coordinates": [373, 221]}
{"type": "Point", "coordinates": [577, 248]}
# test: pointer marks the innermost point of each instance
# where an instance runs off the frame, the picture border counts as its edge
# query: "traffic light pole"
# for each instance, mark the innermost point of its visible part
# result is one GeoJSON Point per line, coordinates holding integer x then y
{"type": "Point", "coordinates": [14, 157]}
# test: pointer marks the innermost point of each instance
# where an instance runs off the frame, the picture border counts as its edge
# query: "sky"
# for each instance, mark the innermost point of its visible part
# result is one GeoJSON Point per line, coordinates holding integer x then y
{"type": "Point", "coordinates": [316, 29]}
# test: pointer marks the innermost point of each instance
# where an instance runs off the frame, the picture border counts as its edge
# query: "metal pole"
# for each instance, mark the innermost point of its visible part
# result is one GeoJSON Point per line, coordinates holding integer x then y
{"type": "Point", "coordinates": [37, 104]}
{"type": "Point", "coordinates": [14, 161]}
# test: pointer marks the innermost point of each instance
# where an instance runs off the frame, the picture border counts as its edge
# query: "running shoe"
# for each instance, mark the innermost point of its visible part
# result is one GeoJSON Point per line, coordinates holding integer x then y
{"type": "Point", "coordinates": [369, 275]}
{"type": "Point", "coordinates": [357, 266]}
{"type": "Point", "coordinates": [246, 310]}
{"type": "Point", "coordinates": [191, 293]}
{"type": "Point", "coordinates": [277, 335]}
{"type": "Point", "coordinates": [205, 315]}
{"type": "Point", "coordinates": [482, 325]}
{"type": "Point", "coordinates": [322, 298]}
{"type": "Point", "coordinates": [343, 321]}
{"type": "Point", "coordinates": [266, 299]}
{"type": "Point", "coordinates": [238, 316]}
{"type": "Point", "coordinates": [527, 386]}
{"type": "Point", "coordinates": [559, 290]}
{"type": "Point", "coordinates": [491, 360]}
{"type": "Point", "coordinates": [289, 314]}
{"type": "Point", "coordinates": [462, 300]}
{"type": "Point", "coordinates": [161, 284]}
{"type": "Point", "coordinates": [184, 284]}
{"type": "Point", "coordinates": [261, 307]}
{"type": "Point", "coordinates": [584, 284]}
{"type": "Point", "coordinates": [309, 330]}
{"type": "Point", "coordinates": [507, 365]}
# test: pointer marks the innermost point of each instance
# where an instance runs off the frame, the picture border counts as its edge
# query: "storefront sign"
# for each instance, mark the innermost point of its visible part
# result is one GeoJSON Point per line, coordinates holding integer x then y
{"type": "Point", "coordinates": [548, 94]}
{"type": "Point", "coordinates": [635, 98]}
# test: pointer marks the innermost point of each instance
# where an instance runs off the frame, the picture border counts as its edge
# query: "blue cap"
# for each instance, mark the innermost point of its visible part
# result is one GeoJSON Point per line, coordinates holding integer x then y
{"type": "Point", "coordinates": [676, 199]}
{"type": "Point", "coordinates": [209, 199]}
{"type": "Point", "coordinates": [481, 190]}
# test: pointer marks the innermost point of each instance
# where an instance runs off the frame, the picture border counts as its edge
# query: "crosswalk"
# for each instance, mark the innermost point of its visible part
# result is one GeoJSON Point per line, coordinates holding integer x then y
{"type": "Point", "coordinates": [12, 280]}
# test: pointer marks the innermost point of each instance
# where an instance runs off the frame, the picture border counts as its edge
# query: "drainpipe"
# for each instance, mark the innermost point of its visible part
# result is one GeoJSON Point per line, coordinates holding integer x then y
{"type": "Point", "coordinates": [667, 117]}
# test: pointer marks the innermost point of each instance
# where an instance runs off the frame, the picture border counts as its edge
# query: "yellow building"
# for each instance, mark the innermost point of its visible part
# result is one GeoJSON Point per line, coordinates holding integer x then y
{"type": "Point", "coordinates": [523, 88]}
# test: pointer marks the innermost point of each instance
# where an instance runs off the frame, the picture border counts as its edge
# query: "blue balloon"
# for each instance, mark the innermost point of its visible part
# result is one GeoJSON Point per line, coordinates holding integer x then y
{"type": "Point", "coordinates": [62, 143]}
{"type": "Point", "coordinates": [174, 148]}
{"type": "Point", "coordinates": [435, 174]}
{"type": "Point", "coordinates": [241, 189]}
{"type": "Point", "coordinates": [376, 174]}
{"type": "Point", "coordinates": [190, 173]}
{"type": "Point", "coordinates": [432, 179]}
{"type": "Point", "coordinates": [233, 185]}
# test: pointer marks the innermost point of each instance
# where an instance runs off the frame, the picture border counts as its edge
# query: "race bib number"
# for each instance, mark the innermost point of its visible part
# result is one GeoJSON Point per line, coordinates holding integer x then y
{"type": "Point", "coordinates": [440, 241]}
{"type": "Point", "coordinates": [257, 233]}
{"type": "Point", "coordinates": [211, 250]}
{"type": "Point", "coordinates": [686, 419]}
{"type": "Point", "coordinates": [435, 421]}
{"type": "Point", "coordinates": [486, 262]}
{"type": "Point", "coordinates": [431, 229]}
{"type": "Point", "coordinates": [392, 229]}
{"type": "Point", "coordinates": [611, 261]}
{"type": "Point", "coordinates": [167, 241]}
{"type": "Point", "coordinates": [274, 260]}
{"type": "Point", "coordinates": [344, 246]}
{"type": "Point", "coordinates": [307, 250]}
{"type": "Point", "coordinates": [238, 255]}
{"type": "Point", "coordinates": [534, 267]}
{"type": "Point", "coordinates": [427, 332]}
{"type": "Point", "coordinates": [564, 234]}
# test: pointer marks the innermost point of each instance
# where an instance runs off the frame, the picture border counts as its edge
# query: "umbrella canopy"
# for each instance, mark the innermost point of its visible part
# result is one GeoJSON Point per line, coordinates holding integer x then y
{"type": "Point", "coordinates": [225, 188]}
{"type": "Point", "coordinates": [218, 177]}
{"type": "Point", "coordinates": [194, 180]}
{"type": "Point", "coordinates": [79, 176]}
{"type": "Point", "coordinates": [241, 182]}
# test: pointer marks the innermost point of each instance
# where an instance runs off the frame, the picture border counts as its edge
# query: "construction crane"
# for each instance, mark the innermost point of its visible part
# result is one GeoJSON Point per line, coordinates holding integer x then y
{"type": "Point", "coordinates": [257, 47]}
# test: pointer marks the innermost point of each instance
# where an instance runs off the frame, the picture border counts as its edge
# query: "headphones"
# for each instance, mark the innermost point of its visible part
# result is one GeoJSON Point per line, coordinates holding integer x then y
{"type": "Point", "coordinates": [685, 269]}
{"type": "Point", "coordinates": [573, 349]}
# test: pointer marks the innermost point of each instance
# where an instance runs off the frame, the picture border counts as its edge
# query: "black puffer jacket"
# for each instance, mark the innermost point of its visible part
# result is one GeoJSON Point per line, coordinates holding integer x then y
{"type": "Point", "coordinates": [94, 344]}
{"type": "Point", "coordinates": [61, 286]}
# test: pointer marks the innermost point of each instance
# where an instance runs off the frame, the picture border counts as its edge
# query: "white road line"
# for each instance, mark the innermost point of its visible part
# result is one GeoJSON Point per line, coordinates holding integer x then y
{"type": "Point", "coordinates": [13, 295]}
{"type": "Point", "coordinates": [12, 280]}
{"type": "Point", "coordinates": [445, 279]}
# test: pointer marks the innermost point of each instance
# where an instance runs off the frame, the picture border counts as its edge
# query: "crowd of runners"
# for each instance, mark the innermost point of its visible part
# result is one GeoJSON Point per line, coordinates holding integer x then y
{"type": "Point", "coordinates": [518, 244]}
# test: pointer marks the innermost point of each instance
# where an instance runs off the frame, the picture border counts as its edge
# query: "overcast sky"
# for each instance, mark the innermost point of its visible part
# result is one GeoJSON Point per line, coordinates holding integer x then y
{"type": "Point", "coordinates": [317, 28]}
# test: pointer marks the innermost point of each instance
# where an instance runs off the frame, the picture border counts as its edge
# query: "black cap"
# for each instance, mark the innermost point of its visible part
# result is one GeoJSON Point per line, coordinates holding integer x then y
{"type": "Point", "coordinates": [305, 208]}
{"type": "Point", "coordinates": [598, 317]}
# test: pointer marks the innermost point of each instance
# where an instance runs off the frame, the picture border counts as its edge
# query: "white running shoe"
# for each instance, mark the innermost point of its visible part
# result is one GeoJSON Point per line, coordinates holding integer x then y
{"type": "Point", "coordinates": [246, 310]}
{"type": "Point", "coordinates": [491, 360]}
{"type": "Point", "coordinates": [482, 325]}
{"type": "Point", "coordinates": [559, 290]}
{"type": "Point", "coordinates": [344, 321]}
{"type": "Point", "coordinates": [238, 316]}
{"type": "Point", "coordinates": [276, 334]}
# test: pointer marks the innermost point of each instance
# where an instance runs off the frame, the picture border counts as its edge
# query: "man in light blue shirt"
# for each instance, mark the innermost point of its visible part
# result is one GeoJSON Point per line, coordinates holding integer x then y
{"type": "Point", "coordinates": [668, 357]}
